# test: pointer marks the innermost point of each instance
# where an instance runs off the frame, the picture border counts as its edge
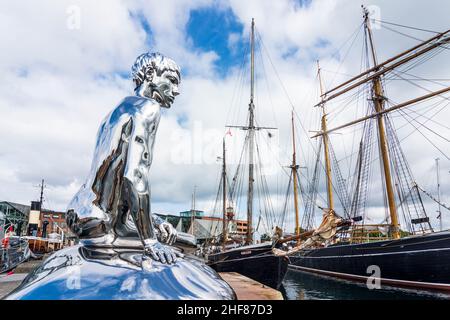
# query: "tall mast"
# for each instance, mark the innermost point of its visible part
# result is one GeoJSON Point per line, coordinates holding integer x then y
{"type": "Point", "coordinates": [439, 194]}
{"type": "Point", "coordinates": [224, 196]}
{"type": "Point", "coordinates": [251, 133]}
{"type": "Point", "coordinates": [294, 168]}
{"type": "Point", "coordinates": [251, 140]}
{"type": "Point", "coordinates": [325, 144]}
{"type": "Point", "coordinates": [378, 100]}
{"type": "Point", "coordinates": [387, 110]}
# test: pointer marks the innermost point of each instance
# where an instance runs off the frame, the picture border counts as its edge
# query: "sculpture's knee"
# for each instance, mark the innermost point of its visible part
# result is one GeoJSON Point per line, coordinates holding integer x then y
{"type": "Point", "coordinates": [86, 227]}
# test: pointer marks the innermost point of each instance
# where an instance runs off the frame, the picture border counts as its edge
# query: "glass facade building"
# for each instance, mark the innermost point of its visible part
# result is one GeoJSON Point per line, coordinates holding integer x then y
{"type": "Point", "coordinates": [15, 215]}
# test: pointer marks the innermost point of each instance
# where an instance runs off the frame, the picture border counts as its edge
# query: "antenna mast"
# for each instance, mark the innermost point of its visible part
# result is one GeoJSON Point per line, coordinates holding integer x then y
{"type": "Point", "coordinates": [41, 199]}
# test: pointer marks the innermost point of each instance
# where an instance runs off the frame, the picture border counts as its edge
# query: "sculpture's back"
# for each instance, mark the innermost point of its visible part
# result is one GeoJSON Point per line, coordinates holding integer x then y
{"type": "Point", "coordinates": [95, 213]}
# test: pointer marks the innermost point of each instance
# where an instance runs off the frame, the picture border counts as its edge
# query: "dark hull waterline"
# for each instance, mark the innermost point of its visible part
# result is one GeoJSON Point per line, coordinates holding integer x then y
{"type": "Point", "coordinates": [421, 262]}
{"type": "Point", "coordinates": [255, 262]}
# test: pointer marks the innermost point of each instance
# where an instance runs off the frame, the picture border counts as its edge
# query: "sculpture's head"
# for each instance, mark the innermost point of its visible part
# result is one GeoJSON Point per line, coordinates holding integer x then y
{"type": "Point", "coordinates": [156, 76]}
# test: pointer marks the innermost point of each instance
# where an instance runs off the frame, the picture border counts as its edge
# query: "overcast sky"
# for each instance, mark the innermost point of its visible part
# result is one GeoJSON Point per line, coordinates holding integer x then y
{"type": "Point", "coordinates": [64, 65]}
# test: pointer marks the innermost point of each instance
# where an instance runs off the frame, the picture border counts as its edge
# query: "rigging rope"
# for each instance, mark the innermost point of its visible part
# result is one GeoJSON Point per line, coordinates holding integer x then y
{"type": "Point", "coordinates": [404, 26]}
{"type": "Point", "coordinates": [433, 198]}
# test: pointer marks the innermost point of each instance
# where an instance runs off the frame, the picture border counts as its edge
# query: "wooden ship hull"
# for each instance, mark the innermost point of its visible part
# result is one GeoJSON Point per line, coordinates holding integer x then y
{"type": "Point", "coordinates": [420, 262]}
{"type": "Point", "coordinates": [256, 262]}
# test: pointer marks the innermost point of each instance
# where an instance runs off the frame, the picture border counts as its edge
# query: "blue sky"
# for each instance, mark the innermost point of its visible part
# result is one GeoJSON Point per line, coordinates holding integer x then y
{"type": "Point", "coordinates": [210, 28]}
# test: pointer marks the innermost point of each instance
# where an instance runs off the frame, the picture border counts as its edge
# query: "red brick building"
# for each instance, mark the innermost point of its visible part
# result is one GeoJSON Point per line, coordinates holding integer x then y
{"type": "Point", "coordinates": [52, 221]}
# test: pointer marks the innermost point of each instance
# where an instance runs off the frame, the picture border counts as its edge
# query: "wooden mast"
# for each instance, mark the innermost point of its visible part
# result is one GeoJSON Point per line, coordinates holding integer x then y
{"type": "Point", "coordinates": [378, 100]}
{"type": "Point", "coordinates": [385, 67]}
{"type": "Point", "coordinates": [387, 110]}
{"type": "Point", "coordinates": [251, 134]}
{"type": "Point", "coordinates": [294, 168]}
{"type": "Point", "coordinates": [325, 144]}
{"type": "Point", "coordinates": [224, 196]}
{"type": "Point", "coordinates": [251, 140]}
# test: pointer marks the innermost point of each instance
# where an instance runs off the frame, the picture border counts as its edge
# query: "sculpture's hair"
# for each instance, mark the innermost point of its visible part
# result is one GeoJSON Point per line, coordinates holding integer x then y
{"type": "Point", "coordinates": [148, 63]}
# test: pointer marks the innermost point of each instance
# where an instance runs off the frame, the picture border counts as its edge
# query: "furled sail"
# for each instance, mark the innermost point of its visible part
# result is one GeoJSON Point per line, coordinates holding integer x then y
{"type": "Point", "coordinates": [326, 231]}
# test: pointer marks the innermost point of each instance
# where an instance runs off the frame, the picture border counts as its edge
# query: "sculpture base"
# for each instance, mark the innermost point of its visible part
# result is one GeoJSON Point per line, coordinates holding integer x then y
{"type": "Point", "coordinates": [81, 272]}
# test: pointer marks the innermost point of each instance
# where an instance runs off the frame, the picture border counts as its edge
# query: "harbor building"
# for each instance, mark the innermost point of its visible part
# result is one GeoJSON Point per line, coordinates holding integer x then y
{"type": "Point", "coordinates": [43, 222]}
{"type": "Point", "coordinates": [204, 227]}
{"type": "Point", "coordinates": [15, 215]}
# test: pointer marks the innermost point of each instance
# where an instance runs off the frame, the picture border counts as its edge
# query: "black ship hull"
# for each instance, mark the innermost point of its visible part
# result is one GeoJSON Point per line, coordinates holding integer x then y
{"type": "Point", "coordinates": [255, 262]}
{"type": "Point", "coordinates": [417, 262]}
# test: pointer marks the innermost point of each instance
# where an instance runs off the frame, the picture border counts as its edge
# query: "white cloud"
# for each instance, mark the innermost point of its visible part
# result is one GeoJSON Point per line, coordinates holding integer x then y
{"type": "Point", "coordinates": [58, 83]}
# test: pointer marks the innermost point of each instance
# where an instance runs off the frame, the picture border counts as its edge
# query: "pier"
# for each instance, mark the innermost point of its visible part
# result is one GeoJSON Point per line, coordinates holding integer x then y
{"type": "Point", "coordinates": [248, 289]}
{"type": "Point", "coordinates": [8, 282]}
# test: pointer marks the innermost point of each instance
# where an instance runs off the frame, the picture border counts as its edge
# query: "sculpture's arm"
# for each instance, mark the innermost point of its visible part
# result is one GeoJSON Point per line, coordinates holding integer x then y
{"type": "Point", "coordinates": [137, 185]}
{"type": "Point", "coordinates": [140, 211]}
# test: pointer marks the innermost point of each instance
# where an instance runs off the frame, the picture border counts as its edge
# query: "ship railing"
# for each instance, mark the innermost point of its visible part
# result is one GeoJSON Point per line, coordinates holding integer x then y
{"type": "Point", "coordinates": [364, 233]}
{"type": "Point", "coordinates": [370, 225]}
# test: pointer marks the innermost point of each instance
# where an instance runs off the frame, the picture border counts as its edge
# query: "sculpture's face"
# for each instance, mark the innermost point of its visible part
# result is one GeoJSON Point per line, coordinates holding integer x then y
{"type": "Point", "coordinates": [165, 87]}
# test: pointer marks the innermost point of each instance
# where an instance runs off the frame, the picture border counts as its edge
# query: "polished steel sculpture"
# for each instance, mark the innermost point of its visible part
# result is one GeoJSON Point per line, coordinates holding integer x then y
{"type": "Point", "coordinates": [113, 205]}
{"type": "Point", "coordinates": [120, 255]}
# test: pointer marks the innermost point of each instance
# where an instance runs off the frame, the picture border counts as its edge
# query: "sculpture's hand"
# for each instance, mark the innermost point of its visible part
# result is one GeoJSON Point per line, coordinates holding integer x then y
{"type": "Point", "coordinates": [160, 252]}
{"type": "Point", "coordinates": [168, 234]}
{"type": "Point", "coordinates": [165, 231]}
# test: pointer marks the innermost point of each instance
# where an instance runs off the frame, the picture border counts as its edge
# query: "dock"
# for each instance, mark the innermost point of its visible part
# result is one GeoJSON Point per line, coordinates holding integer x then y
{"type": "Point", "coordinates": [248, 289]}
{"type": "Point", "coordinates": [10, 281]}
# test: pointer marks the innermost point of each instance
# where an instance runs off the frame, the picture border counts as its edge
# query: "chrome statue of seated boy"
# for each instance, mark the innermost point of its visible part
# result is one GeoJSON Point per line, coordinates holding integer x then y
{"type": "Point", "coordinates": [120, 256]}
{"type": "Point", "coordinates": [112, 208]}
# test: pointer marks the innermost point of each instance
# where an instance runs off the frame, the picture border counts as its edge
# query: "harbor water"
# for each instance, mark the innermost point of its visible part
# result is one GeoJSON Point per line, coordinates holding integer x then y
{"type": "Point", "coordinates": [298, 285]}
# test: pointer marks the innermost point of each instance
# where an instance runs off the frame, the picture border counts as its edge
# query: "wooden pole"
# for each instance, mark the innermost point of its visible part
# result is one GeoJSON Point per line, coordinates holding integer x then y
{"type": "Point", "coordinates": [378, 66]}
{"type": "Point", "coordinates": [307, 234]}
{"type": "Point", "coordinates": [224, 199]}
{"type": "Point", "coordinates": [439, 194]}
{"type": "Point", "coordinates": [294, 168]}
{"type": "Point", "coordinates": [378, 100]}
{"type": "Point", "coordinates": [251, 132]}
{"type": "Point", "coordinates": [394, 108]}
{"type": "Point", "coordinates": [380, 72]}
{"type": "Point", "coordinates": [325, 145]}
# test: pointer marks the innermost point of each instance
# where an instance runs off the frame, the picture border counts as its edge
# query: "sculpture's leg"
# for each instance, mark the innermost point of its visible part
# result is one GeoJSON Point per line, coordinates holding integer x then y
{"type": "Point", "coordinates": [86, 227]}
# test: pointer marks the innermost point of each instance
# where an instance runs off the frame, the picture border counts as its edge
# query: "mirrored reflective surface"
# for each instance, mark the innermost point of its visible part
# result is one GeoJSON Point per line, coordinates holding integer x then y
{"type": "Point", "coordinates": [90, 273]}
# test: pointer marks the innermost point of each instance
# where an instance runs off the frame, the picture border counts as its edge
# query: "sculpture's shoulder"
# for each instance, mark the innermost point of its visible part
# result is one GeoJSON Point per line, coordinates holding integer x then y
{"type": "Point", "coordinates": [136, 106]}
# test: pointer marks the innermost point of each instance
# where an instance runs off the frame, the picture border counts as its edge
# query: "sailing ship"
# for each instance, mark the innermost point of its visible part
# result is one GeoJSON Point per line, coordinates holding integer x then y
{"type": "Point", "coordinates": [345, 245]}
{"type": "Point", "coordinates": [255, 261]}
